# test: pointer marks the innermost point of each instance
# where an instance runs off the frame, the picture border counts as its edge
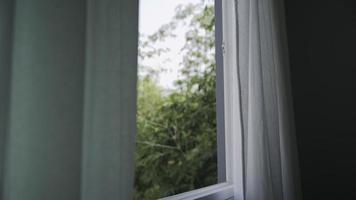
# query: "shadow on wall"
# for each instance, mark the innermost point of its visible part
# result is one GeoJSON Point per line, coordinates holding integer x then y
{"type": "Point", "coordinates": [322, 42]}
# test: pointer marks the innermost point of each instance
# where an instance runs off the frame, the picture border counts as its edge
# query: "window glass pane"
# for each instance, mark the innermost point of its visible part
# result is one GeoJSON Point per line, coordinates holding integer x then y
{"type": "Point", "coordinates": [176, 119]}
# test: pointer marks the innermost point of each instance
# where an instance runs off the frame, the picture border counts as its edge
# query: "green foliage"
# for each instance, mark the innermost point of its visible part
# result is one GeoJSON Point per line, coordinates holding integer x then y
{"type": "Point", "coordinates": [176, 142]}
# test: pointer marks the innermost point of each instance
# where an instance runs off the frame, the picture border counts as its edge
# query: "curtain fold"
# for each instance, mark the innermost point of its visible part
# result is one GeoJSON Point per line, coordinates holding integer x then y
{"type": "Point", "coordinates": [6, 18]}
{"type": "Point", "coordinates": [110, 102]}
{"type": "Point", "coordinates": [67, 99]}
{"type": "Point", "coordinates": [271, 166]}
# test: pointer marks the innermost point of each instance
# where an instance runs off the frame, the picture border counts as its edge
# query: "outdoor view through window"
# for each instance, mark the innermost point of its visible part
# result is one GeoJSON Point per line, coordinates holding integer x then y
{"type": "Point", "coordinates": [176, 119]}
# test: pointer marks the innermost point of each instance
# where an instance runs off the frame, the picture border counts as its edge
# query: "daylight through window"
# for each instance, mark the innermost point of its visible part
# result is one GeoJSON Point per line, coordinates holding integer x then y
{"type": "Point", "coordinates": [176, 145]}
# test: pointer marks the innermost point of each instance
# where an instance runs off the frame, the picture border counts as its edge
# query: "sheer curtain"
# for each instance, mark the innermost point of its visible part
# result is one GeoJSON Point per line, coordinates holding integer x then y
{"type": "Point", "coordinates": [67, 99]}
{"type": "Point", "coordinates": [271, 166]}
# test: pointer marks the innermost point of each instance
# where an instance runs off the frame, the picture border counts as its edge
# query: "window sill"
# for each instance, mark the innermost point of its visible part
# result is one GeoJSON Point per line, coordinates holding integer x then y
{"type": "Point", "coordinates": [222, 191]}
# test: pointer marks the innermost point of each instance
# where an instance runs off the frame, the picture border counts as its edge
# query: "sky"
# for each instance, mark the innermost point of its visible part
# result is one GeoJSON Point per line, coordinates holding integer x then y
{"type": "Point", "coordinates": [153, 14]}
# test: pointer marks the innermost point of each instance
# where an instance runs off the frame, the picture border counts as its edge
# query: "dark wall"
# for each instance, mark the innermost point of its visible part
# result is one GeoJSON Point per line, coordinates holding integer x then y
{"type": "Point", "coordinates": [322, 45]}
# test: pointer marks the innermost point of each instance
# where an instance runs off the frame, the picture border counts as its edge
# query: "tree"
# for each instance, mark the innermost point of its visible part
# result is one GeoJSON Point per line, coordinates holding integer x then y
{"type": "Point", "coordinates": [176, 142]}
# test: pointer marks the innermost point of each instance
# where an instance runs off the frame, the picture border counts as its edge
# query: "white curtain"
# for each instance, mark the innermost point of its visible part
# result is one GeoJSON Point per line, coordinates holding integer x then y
{"type": "Point", "coordinates": [67, 99]}
{"type": "Point", "coordinates": [271, 166]}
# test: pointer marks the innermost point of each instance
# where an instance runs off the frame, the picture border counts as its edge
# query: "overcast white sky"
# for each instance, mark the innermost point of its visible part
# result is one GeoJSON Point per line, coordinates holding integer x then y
{"type": "Point", "coordinates": [153, 14]}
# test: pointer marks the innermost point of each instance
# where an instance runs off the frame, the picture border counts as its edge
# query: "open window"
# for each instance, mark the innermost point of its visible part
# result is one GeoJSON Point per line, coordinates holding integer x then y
{"type": "Point", "coordinates": [189, 142]}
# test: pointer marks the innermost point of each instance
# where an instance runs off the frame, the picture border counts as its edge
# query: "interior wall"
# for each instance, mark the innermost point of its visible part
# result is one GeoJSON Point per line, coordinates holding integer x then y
{"type": "Point", "coordinates": [322, 46]}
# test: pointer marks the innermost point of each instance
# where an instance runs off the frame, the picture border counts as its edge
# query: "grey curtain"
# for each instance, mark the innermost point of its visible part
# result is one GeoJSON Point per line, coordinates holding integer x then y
{"type": "Point", "coordinates": [67, 99]}
{"type": "Point", "coordinates": [271, 166]}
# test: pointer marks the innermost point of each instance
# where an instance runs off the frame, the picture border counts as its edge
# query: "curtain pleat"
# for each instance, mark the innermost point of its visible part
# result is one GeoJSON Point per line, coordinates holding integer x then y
{"type": "Point", "coordinates": [67, 99]}
{"type": "Point", "coordinates": [43, 145]}
{"type": "Point", "coordinates": [110, 102]}
{"type": "Point", "coordinates": [6, 18]}
{"type": "Point", "coordinates": [271, 167]}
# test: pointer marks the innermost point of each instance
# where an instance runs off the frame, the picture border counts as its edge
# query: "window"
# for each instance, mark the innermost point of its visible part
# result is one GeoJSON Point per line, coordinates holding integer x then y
{"type": "Point", "coordinates": [187, 145]}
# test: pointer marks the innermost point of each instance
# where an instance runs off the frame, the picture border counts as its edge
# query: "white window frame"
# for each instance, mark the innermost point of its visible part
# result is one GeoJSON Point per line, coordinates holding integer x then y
{"type": "Point", "coordinates": [233, 187]}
